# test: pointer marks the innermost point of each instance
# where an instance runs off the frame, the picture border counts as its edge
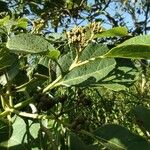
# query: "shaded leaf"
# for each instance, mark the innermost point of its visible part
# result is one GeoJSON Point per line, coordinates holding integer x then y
{"type": "Point", "coordinates": [77, 144]}
{"type": "Point", "coordinates": [11, 72]}
{"type": "Point", "coordinates": [116, 137]}
{"type": "Point", "coordinates": [142, 116]}
{"type": "Point", "coordinates": [5, 130]}
{"type": "Point", "coordinates": [44, 61]}
{"type": "Point", "coordinates": [65, 61]}
{"type": "Point", "coordinates": [3, 31]}
{"type": "Point", "coordinates": [121, 77]}
{"type": "Point", "coordinates": [28, 43]}
{"type": "Point", "coordinates": [6, 59]}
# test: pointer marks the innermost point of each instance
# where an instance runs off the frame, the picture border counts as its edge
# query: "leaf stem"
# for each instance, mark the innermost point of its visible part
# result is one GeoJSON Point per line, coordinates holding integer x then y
{"type": "Point", "coordinates": [9, 89]}
{"type": "Point", "coordinates": [23, 104]}
{"type": "Point", "coordinates": [52, 85]}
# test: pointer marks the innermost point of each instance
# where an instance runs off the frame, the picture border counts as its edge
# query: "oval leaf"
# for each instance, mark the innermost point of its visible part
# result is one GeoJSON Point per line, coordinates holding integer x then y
{"type": "Point", "coordinates": [88, 73]}
{"type": "Point", "coordinates": [93, 51]}
{"type": "Point", "coordinates": [28, 43]}
{"type": "Point", "coordinates": [136, 47]}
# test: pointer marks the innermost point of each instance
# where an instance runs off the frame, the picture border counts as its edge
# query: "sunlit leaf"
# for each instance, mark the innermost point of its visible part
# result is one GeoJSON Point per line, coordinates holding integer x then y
{"type": "Point", "coordinates": [28, 43]}
{"type": "Point", "coordinates": [88, 73]}
{"type": "Point", "coordinates": [137, 47]}
{"type": "Point", "coordinates": [22, 138]}
{"type": "Point", "coordinates": [117, 31]}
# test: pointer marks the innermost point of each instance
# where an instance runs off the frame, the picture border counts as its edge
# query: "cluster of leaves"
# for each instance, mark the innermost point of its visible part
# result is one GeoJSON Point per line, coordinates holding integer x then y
{"type": "Point", "coordinates": [64, 92]}
{"type": "Point", "coordinates": [48, 84]}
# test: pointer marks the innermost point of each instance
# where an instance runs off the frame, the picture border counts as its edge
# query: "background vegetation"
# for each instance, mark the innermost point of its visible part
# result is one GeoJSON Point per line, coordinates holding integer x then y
{"type": "Point", "coordinates": [74, 74]}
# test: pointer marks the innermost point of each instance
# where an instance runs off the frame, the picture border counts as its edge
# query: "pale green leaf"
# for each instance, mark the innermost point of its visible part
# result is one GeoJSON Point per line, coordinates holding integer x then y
{"type": "Point", "coordinates": [21, 138]}
{"type": "Point", "coordinates": [114, 86]}
{"type": "Point", "coordinates": [117, 31]}
{"type": "Point", "coordinates": [4, 20]}
{"type": "Point", "coordinates": [28, 43]}
{"type": "Point", "coordinates": [53, 54]}
{"type": "Point", "coordinates": [136, 47]}
{"type": "Point", "coordinates": [22, 23]}
{"type": "Point", "coordinates": [93, 51]}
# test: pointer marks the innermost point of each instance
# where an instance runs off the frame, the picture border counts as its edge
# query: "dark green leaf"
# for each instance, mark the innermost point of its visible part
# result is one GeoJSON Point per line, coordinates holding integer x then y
{"type": "Point", "coordinates": [77, 144]}
{"type": "Point", "coordinates": [142, 116]}
{"type": "Point", "coordinates": [5, 130]}
{"type": "Point", "coordinates": [6, 59]}
{"type": "Point", "coordinates": [65, 61]}
{"type": "Point", "coordinates": [11, 72]}
{"type": "Point", "coordinates": [116, 137]}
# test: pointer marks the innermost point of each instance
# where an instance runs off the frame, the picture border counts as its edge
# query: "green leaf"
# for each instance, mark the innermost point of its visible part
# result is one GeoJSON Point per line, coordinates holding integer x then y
{"type": "Point", "coordinates": [93, 51]}
{"type": "Point", "coordinates": [142, 116]}
{"type": "Point", "coordinates": [65, 61]}
{"type": "Point", "coordinates": [114, 86]}
{"type": "Point", "coordinates": [120, 78]}
{"type": "Point", "coordinates": [3, 31]}
{"type": "Point", "coordinates": [53, 54]}
{"type": "Point", "coordinates": [22, 23]}
{"type": "Point", "coordinates": [136, 47]}
{"type": "Point", "coordinates": [4, 20]}
{"type": "Point", "coordinates": [77, 144]}
{"type": "Point", "coordinates": [115, 137]}
{"type": "Point", "coordinates": [44, 61]}
{"type": "Point", "coordinates": [6, 59]}
{"type": "Point", "coordinates": [25, 135]}
{"type": "Point", "coordinates": [88, 73]}
{"type": "Point", "coordinates": [28, 43]}
{"type": "Point", "coordinates": [11, 72]}
{"type": "Point", "coordinates": [5, 130]}
{"type": "Point", "coordinates": [117, 31]}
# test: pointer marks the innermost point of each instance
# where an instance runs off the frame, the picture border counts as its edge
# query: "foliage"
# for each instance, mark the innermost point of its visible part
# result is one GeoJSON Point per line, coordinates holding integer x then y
{"type": "Point", "coordinates": [76, 89]}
